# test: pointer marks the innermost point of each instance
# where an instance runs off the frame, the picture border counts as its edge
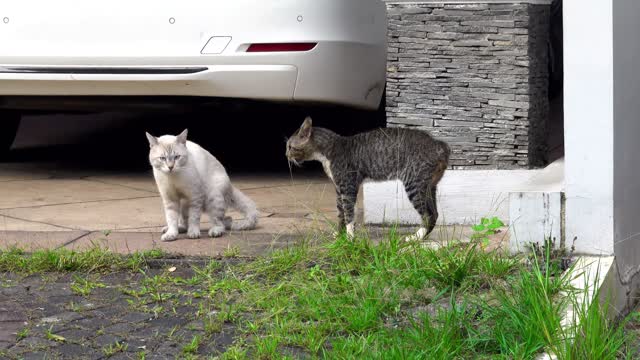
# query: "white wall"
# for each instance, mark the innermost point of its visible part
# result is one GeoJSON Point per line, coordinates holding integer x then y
{"type": "Point", "coordinates": [464, 197]}
{"type": "Point", "coordinates": [588, 109]}
{"type": "Point", "coordinates": [626, 91]}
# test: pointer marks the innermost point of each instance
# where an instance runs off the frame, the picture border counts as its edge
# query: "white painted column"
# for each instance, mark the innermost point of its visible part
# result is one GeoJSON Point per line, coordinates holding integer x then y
{"type": "Point", "coordinates": [626, 92]}
{"type": "Point", "coordinates": [589, 124]}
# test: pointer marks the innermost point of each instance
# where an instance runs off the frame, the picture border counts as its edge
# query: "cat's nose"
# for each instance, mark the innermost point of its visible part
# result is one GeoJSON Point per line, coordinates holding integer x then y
{"type": "Point", "coordinates": [170, 166]}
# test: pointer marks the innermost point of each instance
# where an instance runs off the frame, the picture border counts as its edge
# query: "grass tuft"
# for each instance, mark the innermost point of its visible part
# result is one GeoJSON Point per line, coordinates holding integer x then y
{"type": "Point", "coordinates": [96, 259]}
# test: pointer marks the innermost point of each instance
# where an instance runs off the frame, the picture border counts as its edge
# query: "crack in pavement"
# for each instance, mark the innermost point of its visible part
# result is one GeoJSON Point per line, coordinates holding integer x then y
{"type": "Point", "coordinates": [75, 203]}
{"type": "Point", "coordinates": [40, 222]}
{"type": "Point", "coordinates": [74, 240]}
{"type": "Point", "coordinates": [121, 185]}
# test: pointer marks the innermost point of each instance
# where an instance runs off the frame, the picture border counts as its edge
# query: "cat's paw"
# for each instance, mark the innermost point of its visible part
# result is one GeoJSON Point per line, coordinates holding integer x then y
{"type": "Point", "coordinates": [169, 236]}
{"type": "Point", "coordinates": [216, 231]}
{"type": "Point", "coordinates": [181, 229]}
{"type": "Point", "coordinates": [349, 234]}
{"type": "Point", "coordinates": [193, 234]}
{"type": "Point", "coordinates": [351, 231]}
{"type": "Point", "coordinates": [418, 236]}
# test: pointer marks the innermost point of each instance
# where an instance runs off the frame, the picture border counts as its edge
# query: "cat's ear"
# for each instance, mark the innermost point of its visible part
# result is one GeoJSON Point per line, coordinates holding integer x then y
{"type": "Point", "coordinates": [153, 141]}
{"type": "Point", "coordinates": [182, 138]}
{"type": "Point", "coordinates": [306, 128]}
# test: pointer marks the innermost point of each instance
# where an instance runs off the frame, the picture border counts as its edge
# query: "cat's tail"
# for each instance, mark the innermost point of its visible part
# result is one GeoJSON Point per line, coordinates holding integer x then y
{"type": "Point", "coordinates": [246, 206]}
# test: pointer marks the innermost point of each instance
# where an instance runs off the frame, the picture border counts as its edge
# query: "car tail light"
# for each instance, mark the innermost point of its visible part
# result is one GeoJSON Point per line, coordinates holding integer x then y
{"type": "Point", "coordinates": [279, 47]}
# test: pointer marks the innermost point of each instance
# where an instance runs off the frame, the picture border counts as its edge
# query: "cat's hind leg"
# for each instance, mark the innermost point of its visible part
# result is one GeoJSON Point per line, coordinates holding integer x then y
{"type": "Point", "coordinates": [341, 224]}
{"type": "Point", "coordinates": [216, 207]}
{"type": "Point", "coordinates": [228, 222]}
{"type": "Point", "coordinates": [194, 212]}
{"type": "Point", "coordinates": [183, 221]}
{"type": "Point", "coordinates": [347, 196]}
{"type": "Point", "coordinates": [423, 199]}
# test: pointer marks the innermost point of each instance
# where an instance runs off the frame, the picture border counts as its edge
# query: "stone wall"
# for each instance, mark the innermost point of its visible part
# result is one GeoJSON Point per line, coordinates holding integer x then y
{"type": "Point", "coordinates": [474, 75]}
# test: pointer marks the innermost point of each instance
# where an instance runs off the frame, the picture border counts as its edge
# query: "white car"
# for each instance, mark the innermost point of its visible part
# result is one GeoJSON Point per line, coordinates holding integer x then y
{"type": "Point", "coordinates": [298, 51]}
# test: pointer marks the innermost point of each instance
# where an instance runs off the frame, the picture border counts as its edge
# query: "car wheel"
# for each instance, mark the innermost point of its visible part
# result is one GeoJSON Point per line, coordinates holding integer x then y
{"type": "Point", "coordinates": [9, 122]}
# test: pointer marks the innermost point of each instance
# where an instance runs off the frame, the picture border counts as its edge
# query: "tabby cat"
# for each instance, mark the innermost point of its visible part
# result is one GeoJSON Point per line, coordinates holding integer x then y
{"type": "Point", "coordinates": [411, 156]}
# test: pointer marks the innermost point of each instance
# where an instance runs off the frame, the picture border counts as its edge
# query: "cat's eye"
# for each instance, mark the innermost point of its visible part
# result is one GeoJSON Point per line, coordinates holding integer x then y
{"type": "Point", "coordinates": [177, 157]}
{"type": "Point", "coordinates": [163, 158]}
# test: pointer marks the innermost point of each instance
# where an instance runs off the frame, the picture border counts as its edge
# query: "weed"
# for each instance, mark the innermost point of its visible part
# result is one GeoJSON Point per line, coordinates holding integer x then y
{"type": "Point", "coordinates": [266, 347]}
{"type": "Point", "coordinates": [83, 287]}
{"type": "Point", "coordinates": [73, 306]}
{"type": "Point", "coordinates": [193, 346]}
{"type": "Point", "coordinates": [558, 258]}
{"type": "Point", "coordinates": [53, 337]}
{"type": "Point", "coordinates": [485, 228]}
{"type": "Point", "coordinates": [231, 252]}
{"type": "Point", "coordinates": [235, 352]}
{"type": "Point", "coordinates": [22, 334]}
{"type": "Point", "coordinates": [114, 348]}
{"type": "Point", "coordinates": [212, 324]}
{"type": "Point", "coordinates": [172, 331]}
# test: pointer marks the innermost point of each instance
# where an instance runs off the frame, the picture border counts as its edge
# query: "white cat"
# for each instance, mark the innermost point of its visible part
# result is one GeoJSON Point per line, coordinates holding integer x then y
{"type": "Point", "coordinates": [190, 181]}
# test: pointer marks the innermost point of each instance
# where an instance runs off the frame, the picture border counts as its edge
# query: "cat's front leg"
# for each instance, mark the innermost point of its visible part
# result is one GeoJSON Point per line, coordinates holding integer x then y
{"type": "Point", "coordinates": [182, 219]}
{"type": "Point", "coordinates": [172, 214]}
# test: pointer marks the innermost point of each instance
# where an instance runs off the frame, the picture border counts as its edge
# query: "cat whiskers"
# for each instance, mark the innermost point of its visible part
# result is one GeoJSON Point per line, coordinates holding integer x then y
{"type": "Point", "coordinates": [290, 170]}
{"type": "Point", "coordinates": [289, 161]}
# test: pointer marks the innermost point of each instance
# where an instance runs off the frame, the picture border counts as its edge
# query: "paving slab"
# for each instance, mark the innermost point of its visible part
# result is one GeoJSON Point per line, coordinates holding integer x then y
{"type": "Point", "coordinates": [12, 319]}
{"type": "Point", "coordinates": [35, 193]}
{"type": "Point", "coordinates": [97, 215]}
{"type": "Point", "coordinates": [34, 240]}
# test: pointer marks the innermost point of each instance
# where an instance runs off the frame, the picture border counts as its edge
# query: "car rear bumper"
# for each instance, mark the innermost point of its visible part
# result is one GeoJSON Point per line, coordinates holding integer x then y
{"type": "Point", "coordinates": [312, 76]}
{"type": "Point", "coordinates": [137, 51]}
{"type": "Point", "coordinates": [277, 82]}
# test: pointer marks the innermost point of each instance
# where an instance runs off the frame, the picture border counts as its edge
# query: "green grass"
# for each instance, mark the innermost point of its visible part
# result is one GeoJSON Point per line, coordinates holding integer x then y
{"type": "Point", "coordinates": [96, 259]}
{"type": "Point", "coordinates": [346, 299]}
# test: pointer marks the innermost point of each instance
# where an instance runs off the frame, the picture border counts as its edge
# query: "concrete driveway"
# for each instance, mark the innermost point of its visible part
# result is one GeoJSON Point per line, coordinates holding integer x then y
{"type": "Point", "coordinates": [46, 207]}
{"type": "Point", "coordinates": [74, 206]}
{"type": "Point", "coordinates": [41, 206]}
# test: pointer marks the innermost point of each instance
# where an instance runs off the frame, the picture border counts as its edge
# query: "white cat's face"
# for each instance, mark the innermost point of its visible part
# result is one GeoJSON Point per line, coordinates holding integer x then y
{"type": "Point", "coordinates": [168, 153]}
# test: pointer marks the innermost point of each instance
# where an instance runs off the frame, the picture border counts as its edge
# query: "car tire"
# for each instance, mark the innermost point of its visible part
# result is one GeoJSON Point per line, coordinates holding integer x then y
{"type": "Point", "coordinates": [9, 123]}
